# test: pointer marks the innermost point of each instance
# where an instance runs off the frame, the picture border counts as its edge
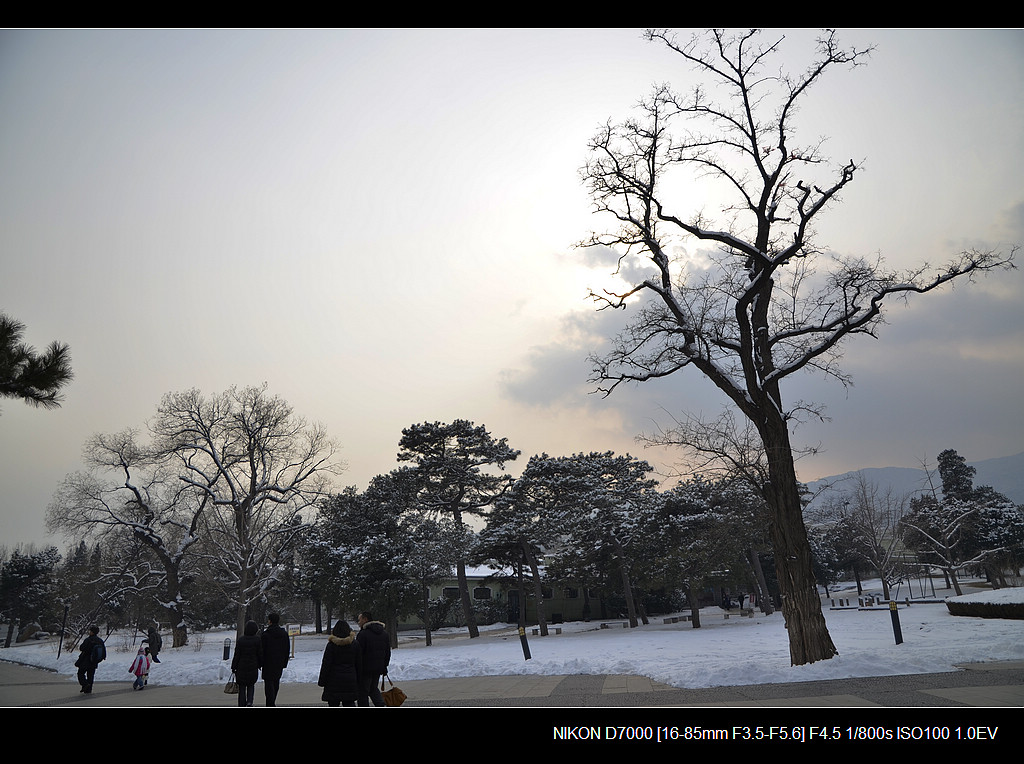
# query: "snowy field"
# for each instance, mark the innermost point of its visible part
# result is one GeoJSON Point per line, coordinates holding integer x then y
{"type": "Point", "coordinates": [734, 651]}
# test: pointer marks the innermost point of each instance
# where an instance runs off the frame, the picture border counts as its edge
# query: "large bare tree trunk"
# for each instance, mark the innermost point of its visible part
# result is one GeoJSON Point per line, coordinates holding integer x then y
{"type": "Point", "coordinates": [240, 625]}
{"type": "Point", "coordinates": [179, 632]}
{"type": "Point", "coordinates": [801, 606]}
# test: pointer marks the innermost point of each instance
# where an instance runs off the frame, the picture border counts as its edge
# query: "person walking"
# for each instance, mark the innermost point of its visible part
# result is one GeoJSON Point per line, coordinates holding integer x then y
{"type": "Point", "coordinates": [155, 643]}
{"type": "Point", "coordinates": [92, 652]}
{"type": "Point", "coordinates": [376, 648]}
{"type": "Point", "coordinates": [247, 663]}
{"type": "Point", "coordinates": [341, 669]}
{"type": "Point", "coordinates": [140, 667]}
{"type": "Point", "coordinates": [275, 657]}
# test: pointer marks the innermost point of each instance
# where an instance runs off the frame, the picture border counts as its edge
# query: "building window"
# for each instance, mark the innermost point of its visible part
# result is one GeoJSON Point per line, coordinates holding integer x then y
{"type": "Point", "coordinates": [450, 592]}
{"type": "Point", "coordinates": [481, 593]}
{"type": "Point", "coordinates": [571, 594]}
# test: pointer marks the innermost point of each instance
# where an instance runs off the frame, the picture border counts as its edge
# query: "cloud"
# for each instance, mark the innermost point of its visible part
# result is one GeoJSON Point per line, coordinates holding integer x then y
{"type": "Point", "coordinates": [1013, 220]}
{"type": "Point", "coordinates": [556, 372]}
{"type": "Point", "coordinates": [555, 375]}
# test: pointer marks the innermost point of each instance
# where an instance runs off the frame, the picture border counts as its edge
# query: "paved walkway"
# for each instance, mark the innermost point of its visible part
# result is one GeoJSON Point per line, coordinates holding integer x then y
{"type": "Point", "coordinates": [989, 685]}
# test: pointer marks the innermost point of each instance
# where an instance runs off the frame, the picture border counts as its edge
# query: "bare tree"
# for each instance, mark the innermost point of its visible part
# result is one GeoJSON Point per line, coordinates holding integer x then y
{"type": "Point", "coordinates": [258, 466]}
{"type": "Point", "coordinates": [771, 303]}
{"type": "Point", "coordinates": [876, 521]}
{"type": "Point", "coordinates": [943, 534]}
{"type": "Point", "coordinates": [130, 495]}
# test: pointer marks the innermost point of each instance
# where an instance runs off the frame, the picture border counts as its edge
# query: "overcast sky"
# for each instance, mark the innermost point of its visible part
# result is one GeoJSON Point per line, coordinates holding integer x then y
{"type": "Point", "coordinates": [380, 225]}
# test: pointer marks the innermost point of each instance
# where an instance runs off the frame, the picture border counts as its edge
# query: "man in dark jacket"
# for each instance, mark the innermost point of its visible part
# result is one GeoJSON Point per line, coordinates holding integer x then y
{"type": "Point", "coordinates": [376, 648]}
{"type": "Point", "coordinates": [276, 651]}
{"type": "Point", "coordinates": [155, 643]}
{"type": "Point", "coordinates": [91, 652]}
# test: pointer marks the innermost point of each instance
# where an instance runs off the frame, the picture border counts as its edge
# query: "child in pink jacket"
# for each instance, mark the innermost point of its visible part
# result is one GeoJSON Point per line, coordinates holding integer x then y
{"type": "Point", "coordinates": [140, 667]}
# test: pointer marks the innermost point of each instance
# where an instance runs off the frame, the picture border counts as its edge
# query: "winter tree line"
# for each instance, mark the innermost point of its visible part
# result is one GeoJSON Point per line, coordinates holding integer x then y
{"type": "Point", "coordinates": [227, 508]}
{"type": "Point", "coordinates": [951, 527]}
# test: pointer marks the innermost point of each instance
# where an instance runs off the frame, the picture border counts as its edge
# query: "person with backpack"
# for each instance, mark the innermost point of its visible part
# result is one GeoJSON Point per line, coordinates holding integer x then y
{"type": "Point", "coordinates": [92, 652]}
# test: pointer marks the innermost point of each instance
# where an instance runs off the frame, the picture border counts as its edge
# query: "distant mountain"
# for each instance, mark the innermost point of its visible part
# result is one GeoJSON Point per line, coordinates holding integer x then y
{"type": "Point", "coordinates": [1005, 474]}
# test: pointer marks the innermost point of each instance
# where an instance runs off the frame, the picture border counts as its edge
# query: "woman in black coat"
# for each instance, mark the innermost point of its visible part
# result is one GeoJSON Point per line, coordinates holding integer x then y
{"type": "Point", "coordinates": [341, 670]}
{"type": "Point", "coordinates": [247, 663]}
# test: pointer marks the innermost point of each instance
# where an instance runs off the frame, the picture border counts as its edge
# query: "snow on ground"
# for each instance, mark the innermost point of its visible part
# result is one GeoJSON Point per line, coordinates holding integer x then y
{"type": "Point", "coordinates": [994, 597]}
{"type": "Point", "coordinates": [736, 651]}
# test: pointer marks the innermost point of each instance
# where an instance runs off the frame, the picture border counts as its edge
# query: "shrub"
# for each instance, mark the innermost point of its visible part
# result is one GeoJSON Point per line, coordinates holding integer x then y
{"type": "Point", "coordinates": [1013, 610]}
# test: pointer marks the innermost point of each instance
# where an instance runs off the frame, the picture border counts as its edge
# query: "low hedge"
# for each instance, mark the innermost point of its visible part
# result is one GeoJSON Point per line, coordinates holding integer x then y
{"type": "Point", "coordinates": [987, 609]}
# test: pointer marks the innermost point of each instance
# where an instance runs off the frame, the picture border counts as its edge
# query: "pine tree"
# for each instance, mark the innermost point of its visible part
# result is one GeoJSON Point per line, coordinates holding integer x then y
{"type": "Point", "coordinates": [449, 479]}
{"type": "Point", "coordinates": [35, 378]}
